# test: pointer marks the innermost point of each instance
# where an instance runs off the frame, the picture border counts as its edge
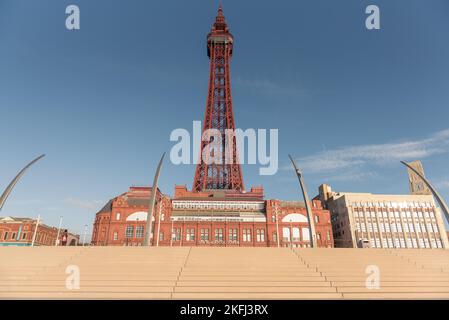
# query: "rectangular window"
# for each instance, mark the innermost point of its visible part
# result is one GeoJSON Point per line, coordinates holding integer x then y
{"type": "Point", "coordinates": [275, 236]}
{"type": "Point", "coordinates": [176, 234]}
{"type": "Point", "coordinates": [305, 234]}
{"type": "Point", "coordinates": [161, 236]}
{"type": "Point", "coordinates": [190, 234]}
{"type": "Point", "coordinates": [286, 234]}
{"type": "Point", "coordinates": [246, 235]}
{"type": "Point", "coordinates": [139, 232]}
{"type": "Point", "coordinates": [219, 234]}
{"type": "Point", "coordinates": [129, 232]}
{"type": "Point", "coordinates": [260, 233]}
{"type": "Point", "coordinates": [233, 235]}
{"type": "Point", "coordinates": [205, 234]}
{"type": "Point", "coordinates": [115, 236]}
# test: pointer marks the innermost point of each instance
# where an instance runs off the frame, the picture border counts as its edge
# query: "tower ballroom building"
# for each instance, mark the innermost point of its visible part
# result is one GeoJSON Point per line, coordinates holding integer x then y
{"type": "Point", "coordinates": [218, 211]}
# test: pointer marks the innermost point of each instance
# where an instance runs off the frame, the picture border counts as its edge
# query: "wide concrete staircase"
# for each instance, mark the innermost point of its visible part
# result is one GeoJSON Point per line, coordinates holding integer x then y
{"type": "Point", "coordinates": [222, 273]}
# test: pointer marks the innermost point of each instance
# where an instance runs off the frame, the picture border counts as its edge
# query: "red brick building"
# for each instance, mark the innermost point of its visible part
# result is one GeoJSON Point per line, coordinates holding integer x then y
{"type": "Point", "coordinates": [20, 231]}
{"type": "Point", "coordinates": [218, 211]}
{"type": "Point", "coordinates": [215, 218]}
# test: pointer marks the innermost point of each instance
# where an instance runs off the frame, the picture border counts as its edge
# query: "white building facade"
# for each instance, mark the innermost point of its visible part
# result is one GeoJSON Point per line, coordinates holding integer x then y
{"type": "Point", "coordinates": [385, 221]}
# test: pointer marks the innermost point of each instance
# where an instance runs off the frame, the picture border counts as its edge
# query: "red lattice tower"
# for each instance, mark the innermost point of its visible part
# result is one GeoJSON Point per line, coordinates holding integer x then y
{"type": "Point", "coordinates": [226, 175]}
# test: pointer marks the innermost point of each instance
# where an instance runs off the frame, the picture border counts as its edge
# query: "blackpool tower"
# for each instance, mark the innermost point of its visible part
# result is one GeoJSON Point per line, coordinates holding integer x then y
{"type": "Point", "coordinates": [226, 173]}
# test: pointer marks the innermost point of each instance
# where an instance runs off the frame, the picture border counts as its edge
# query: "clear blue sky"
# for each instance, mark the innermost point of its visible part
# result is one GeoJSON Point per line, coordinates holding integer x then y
{"type": "Point", "coordinates": [101, 102]}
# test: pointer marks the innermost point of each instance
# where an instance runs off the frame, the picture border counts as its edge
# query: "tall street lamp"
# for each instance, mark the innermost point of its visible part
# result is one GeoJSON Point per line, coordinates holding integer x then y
{"type": "Point", "coordinates": [59, 231]}
{"type": "Point", "coordinates": [84, 235]}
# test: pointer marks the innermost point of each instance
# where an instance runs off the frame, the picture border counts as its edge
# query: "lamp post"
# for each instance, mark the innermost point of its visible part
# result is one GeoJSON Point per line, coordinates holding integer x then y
{"type": "Point", "coordinates": [291, 234]}
{"type": "Point", "coordinates": [171, 235]}
{"type": "Point", "coordinates": [313, 243]}
{"type": "Point", "coordinates": [149, 226]}
{"type": "Point", "coordinates": [180, 240]}
{"type": "Point", "coordinates": [277, 226]}
{"type": "Point", "coordinates": [59, 231]}
{"type": "Point", "coordinates": [84, 235]}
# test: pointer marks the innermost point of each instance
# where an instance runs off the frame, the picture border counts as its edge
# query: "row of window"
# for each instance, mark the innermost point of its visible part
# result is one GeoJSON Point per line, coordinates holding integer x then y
{"type": "Point", "coordinates": [395, 214]}
{"type": "Point", "coordinates": [289, 234]}
{"type": "Point", "coordinates": [219, 235]}
{"type": "Point", "coordinates": [129, 232]}
{"type": "Point", "coordinates": [293, 234]}
{"type": "Point", "coordinates": [217, 205]}
{"type": "Point", "coordinates": [405, 243]}
{"type": "Point", "coordinates": [40, 237]}
{"type": "Point", "coordinates": [392, 204]}
{"type": "Point", "coordinates": [13, 236]}
{"type": "Point", "coordinates": [397, 227]}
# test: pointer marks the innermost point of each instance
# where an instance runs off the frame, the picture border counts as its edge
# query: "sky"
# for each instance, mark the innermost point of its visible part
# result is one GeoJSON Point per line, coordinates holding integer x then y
{"type": "Point", "coordinates": [101, 102]}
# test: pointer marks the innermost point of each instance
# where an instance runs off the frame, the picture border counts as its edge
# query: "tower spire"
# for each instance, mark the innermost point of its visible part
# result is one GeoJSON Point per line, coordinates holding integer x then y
{"type": "Point", "coordinates": [220, 22]}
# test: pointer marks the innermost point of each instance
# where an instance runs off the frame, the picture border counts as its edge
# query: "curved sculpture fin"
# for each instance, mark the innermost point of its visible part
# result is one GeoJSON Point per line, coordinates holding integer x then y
{"type": "Point", "coordinates": [149, 231]}
{"type": "Point", "coordinates": [13, 183]}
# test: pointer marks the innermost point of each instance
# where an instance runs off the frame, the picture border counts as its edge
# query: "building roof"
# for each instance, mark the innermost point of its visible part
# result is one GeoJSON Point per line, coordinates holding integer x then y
{"type": "Point", "coordinates": [107, 207]}
{"type": "Point", "coordinates": [293, 204]}
{"type": "Point", "coordinates": [135, 196]}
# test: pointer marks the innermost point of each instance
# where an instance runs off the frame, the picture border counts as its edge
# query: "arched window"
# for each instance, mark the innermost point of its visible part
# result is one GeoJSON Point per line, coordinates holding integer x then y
{"type": "Point", "coordinates": [295, 217]}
